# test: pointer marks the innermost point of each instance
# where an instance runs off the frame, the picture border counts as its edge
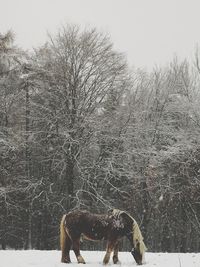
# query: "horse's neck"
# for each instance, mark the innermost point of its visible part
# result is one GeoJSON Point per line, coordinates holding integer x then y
{"type": "Point", "coordinates": [116, 212]}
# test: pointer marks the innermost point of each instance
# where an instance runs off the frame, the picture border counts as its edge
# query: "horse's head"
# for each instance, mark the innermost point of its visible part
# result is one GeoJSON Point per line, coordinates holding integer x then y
{"type": "Point", "coordinates": [137, 254]}
{"type": "Point", "coordinates": [133, 233]}
{"type": "Point", "coordinates": [139, 247]}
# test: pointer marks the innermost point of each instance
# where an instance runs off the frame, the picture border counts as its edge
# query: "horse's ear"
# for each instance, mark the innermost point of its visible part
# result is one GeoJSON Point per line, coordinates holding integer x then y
{"type": "Point", "coordinates": [110, 211]}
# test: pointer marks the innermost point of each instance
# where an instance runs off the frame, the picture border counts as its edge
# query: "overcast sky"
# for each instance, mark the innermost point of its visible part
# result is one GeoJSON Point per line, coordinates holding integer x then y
{"type": "Point", "coordinates": [150, 32]}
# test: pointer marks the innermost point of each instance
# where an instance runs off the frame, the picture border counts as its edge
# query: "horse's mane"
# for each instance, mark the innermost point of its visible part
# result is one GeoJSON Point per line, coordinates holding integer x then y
{"type": "Point", "coordinates": [137, 235]}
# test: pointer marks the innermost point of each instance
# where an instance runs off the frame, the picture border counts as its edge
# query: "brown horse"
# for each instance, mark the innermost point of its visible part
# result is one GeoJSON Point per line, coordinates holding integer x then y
{"type": "Point", "coordinates": [110, 227]}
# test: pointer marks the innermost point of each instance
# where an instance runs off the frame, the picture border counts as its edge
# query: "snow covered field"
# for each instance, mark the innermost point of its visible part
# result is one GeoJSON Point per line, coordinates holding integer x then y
{"type": "Point", "coordinates": [35, 258]}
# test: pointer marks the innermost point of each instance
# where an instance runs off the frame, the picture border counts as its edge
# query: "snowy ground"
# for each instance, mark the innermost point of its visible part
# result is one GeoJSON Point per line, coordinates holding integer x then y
{"type": "Point", "coordinates": [35, 258]}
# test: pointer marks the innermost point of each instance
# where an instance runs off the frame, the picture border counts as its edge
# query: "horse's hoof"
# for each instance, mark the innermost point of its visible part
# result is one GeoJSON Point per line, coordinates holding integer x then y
{"type": "Point", "coordinates": [65, 260]}
{"type": "Point", "coordinates": [115, 260]}
{"type": "Point", "coordinates": [80, 259]}
{"type": "Point", "coordinates": [83, 262]}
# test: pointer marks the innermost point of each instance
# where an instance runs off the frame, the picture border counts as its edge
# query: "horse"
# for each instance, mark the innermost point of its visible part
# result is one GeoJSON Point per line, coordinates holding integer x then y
{"type": "Point", "coordinates": [112, 226]}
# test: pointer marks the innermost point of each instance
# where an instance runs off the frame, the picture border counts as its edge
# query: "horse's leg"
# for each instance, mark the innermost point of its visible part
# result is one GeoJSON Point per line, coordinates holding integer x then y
{"type": "Point", "coordinates": [76, 249]}
{"type": "Point", "coordinates": [109, 249]}
{"type": "Point", "coordinates": [115, 255]}
{"type": "Point", "coordinates": [65, 250]}
{"type": "Point", "coordinates": [65, 241]}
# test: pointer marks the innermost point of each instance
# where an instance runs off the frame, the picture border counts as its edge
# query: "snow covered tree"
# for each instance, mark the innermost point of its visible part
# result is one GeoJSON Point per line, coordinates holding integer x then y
{"type": "Point", "coordinates": [9, 145]}
{"type": "Point", "coordinates": [81, 68]}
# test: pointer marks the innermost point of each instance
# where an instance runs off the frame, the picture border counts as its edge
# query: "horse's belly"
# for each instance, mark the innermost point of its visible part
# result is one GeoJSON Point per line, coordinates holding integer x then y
{"type": "Point", "coordinates": [94, 236]}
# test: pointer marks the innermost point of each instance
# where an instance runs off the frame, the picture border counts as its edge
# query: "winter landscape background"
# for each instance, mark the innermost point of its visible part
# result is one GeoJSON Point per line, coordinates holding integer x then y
{"type": "Point", "coordinates": [80, 128]}
{"type": "Point", "coordinates": [30, 258]}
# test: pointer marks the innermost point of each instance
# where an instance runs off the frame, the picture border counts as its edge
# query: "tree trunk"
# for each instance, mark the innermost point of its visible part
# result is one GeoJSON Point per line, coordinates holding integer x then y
{"type": "Point", "coordinates": [145, 210]}
{"type": "Point", "coordinates": [27, 161]}
{"type": "Point", "coordinates": [70, 182]}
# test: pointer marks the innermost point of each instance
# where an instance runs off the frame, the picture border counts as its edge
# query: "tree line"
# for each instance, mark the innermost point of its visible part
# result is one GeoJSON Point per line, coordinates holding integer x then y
{"type": "Point", "coordinates": [81, 129]}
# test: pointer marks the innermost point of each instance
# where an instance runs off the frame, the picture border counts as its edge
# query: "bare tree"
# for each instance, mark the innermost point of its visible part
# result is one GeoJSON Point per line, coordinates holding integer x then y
{"type": "Point", "coordinates": [81, 69]}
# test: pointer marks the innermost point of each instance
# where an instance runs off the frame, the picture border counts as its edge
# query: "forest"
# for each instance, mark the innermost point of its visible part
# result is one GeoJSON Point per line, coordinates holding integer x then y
{"type": "Point", "coordinates": [80, 128]}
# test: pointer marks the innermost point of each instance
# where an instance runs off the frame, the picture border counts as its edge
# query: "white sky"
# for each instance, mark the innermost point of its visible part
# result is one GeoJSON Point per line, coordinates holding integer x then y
{"type": "Point", "coordinates": [150, 32]}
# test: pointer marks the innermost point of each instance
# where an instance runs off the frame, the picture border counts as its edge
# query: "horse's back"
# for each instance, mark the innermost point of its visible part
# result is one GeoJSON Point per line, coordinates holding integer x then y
{"type": "Point", "coordinates": [92, 226]}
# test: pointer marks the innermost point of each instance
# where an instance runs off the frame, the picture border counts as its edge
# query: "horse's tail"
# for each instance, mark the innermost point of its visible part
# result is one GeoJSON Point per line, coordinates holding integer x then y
{"type": "Point", "coordinates": [65, 241]}
{"type": "Point", "coordinates": [63, 234]}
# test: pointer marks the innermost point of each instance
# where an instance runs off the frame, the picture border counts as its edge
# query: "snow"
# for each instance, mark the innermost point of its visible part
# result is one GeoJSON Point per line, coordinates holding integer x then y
{"type": "Point", "coordinates": [36, 258]}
